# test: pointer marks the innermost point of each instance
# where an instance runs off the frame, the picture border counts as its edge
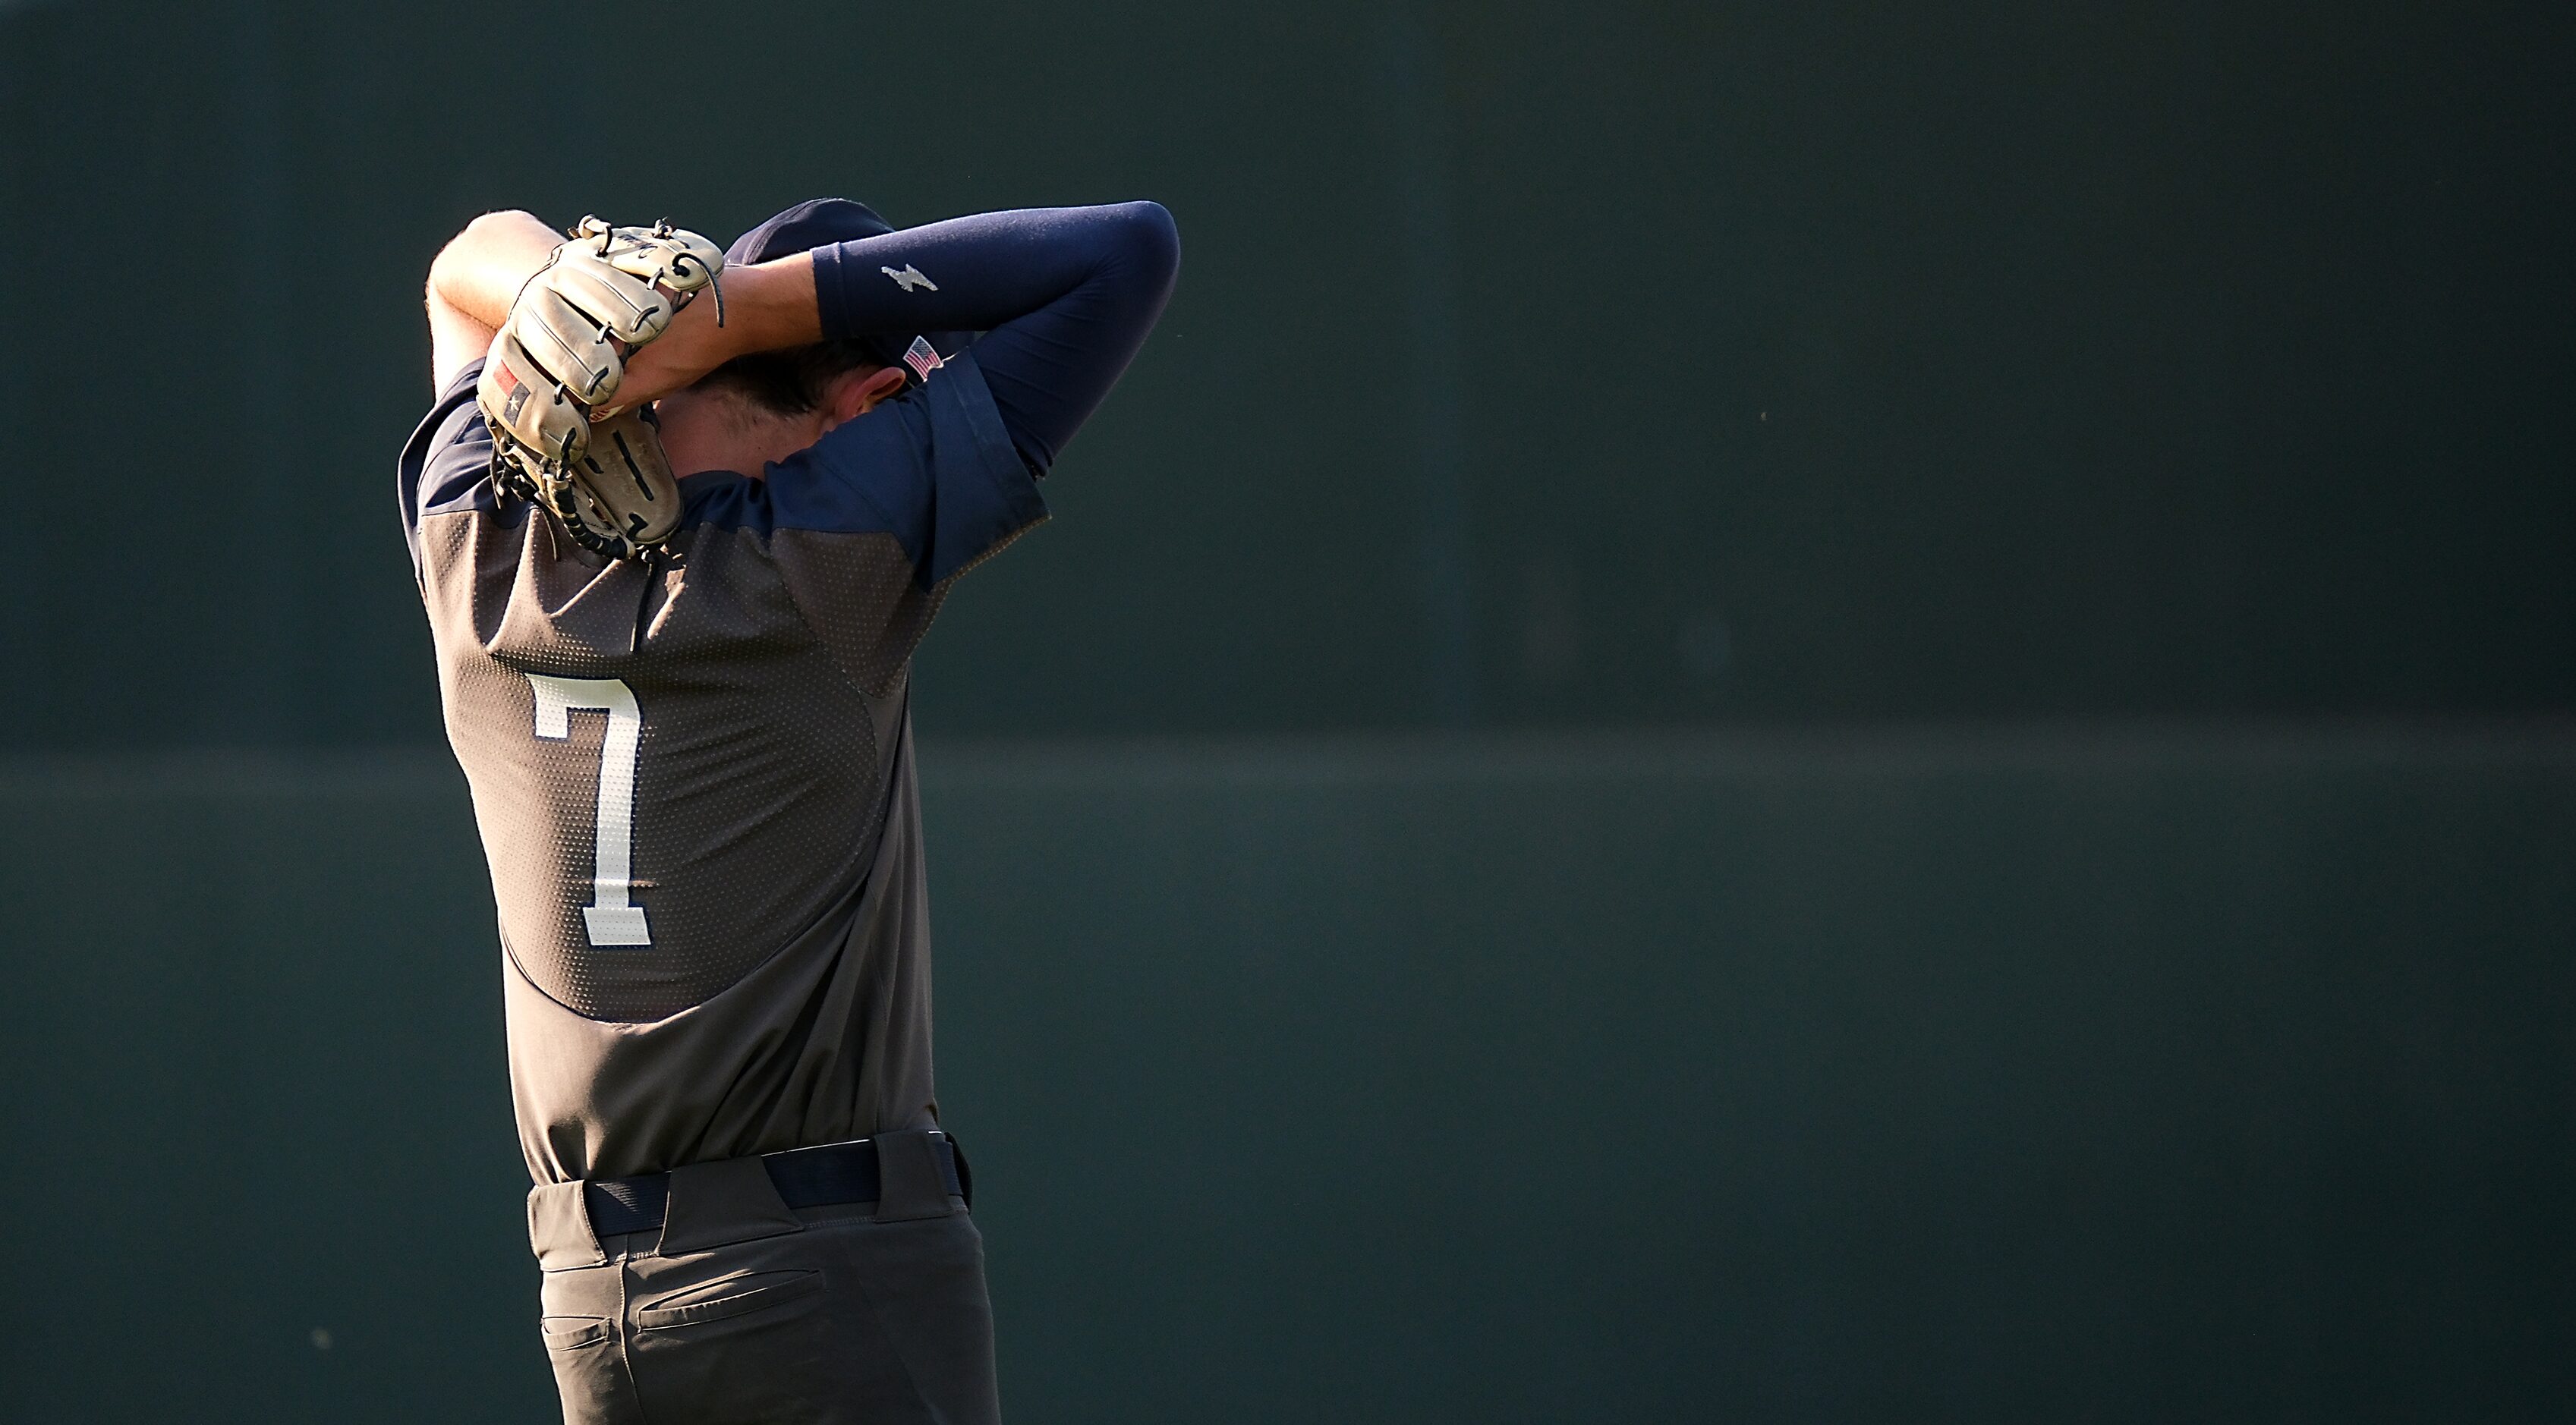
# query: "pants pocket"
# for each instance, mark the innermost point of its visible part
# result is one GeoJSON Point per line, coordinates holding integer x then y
{"type": "Point", "coordinates": [739, 1294]}
{"type": "Point", "coordinates": [746, 1346]}
{"type": "Point", "coordinates": [577, 1316]}
{"type": "Point", "coordinates": [572, 1333]}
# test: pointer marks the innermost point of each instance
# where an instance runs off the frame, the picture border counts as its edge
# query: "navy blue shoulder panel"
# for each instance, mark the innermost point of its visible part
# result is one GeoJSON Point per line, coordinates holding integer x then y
{"type": "Point", "coordinates": [447, 463]}
{"type": "Point", "coordinates": [935, 469]}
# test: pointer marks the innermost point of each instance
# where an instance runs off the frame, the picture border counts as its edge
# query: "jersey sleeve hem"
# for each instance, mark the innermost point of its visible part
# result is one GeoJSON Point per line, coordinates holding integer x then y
{"type": "Point", "coordinates": [446, 465]}
{"type": "Point", "coordinates": [982, 508]}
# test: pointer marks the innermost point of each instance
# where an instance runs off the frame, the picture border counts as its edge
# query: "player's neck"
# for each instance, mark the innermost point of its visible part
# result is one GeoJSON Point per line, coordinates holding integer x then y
{"type": "Point", "coordinates": [715, 432]}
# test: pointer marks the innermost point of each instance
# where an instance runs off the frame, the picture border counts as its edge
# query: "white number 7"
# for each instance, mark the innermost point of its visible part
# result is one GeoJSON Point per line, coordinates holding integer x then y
{"type": "Point", "coordinates": [611, 920]}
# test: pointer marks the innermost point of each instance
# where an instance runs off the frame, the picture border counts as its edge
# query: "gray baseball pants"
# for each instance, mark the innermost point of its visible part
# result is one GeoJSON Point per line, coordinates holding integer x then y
{"type": "Point", "coordinates": [742, 1309]}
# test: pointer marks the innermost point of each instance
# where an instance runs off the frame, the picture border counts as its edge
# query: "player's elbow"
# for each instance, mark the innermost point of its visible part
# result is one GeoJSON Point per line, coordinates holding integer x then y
{"type": "Point", "coordinates": [1149, 241]}
{"type": "Point", "coordinates": [475, 238]}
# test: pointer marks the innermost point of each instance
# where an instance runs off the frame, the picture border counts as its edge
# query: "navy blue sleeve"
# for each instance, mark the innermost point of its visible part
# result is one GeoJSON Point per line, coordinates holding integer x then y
{"type": "Point", "coordinates": [1064, 295]}
{"type": "Point", "coordinates": [934, 469]}
{"type": "Point", "coordinates": [447, 463]}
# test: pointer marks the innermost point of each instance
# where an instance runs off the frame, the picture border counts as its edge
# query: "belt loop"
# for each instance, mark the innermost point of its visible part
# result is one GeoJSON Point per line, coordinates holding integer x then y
{"type": "Point", "coordinates": [716, 1203]}
{"type": "Point", "coordinates": [559, 1228]}
{"type": "Point", "coordinates": [912, 1181]}
{"type": "Point", "coordinates": [965, 1174]}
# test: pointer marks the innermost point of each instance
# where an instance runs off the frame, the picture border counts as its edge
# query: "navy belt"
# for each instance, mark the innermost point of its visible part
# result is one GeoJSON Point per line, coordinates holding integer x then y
{"type": "Point", "coordinates": [827, 1176]}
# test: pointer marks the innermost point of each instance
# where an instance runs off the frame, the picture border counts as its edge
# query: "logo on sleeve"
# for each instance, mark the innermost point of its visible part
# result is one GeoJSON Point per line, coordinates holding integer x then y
{"type": "Point", "coordinates": [910, 279]}
{"type": "Point", "coordinates": [923, 358]}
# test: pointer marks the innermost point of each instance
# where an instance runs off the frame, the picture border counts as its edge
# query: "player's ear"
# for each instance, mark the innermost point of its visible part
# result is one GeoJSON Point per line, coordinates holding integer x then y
{"type": "Point", "coordinates": [883, 384]}
{"type": "Point", "coordinates": [852, 393]}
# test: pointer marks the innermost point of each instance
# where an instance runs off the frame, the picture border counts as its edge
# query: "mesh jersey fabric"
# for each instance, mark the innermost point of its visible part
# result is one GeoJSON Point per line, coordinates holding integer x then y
{"type": "Point", "coordinates": [693, 778]}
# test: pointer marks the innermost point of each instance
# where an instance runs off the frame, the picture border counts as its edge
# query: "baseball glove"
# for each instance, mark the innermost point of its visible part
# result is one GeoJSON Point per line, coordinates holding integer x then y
{"type": "Point", "coordinates": [559, 358]}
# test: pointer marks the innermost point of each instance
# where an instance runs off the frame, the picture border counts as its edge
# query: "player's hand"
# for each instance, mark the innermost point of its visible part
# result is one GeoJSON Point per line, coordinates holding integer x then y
{"type": "Point", "coordinates": [693, 346]}
{"type": "Point", "coordinates": [561, 357]}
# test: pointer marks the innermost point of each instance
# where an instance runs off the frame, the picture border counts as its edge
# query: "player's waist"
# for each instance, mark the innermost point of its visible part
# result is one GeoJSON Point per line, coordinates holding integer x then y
{"type": "Point", "coordinates": [856, 1173]}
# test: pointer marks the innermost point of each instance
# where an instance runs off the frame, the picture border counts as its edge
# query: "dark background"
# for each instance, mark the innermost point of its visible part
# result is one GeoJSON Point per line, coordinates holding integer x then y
{"type": "Point", "coordinates": [1793, 712]}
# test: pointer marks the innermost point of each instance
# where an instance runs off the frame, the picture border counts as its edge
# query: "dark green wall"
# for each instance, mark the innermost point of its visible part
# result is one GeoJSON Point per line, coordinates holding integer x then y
{"type": "Point", "coordinates": [1636, 387]}
{"type": "Point", "coordinates": [1895, 1078]}
{"type": "Point", "coordinates": [1646, 361]}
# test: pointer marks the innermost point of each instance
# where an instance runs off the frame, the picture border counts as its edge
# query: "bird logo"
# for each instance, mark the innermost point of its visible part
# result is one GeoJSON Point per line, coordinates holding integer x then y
{"type": "Point", "coordinates": [910, 279]}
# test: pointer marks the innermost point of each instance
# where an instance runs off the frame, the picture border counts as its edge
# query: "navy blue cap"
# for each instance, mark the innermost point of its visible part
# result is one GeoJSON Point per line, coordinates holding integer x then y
{"type": "Point", "coordinates": [821, 222]}
{"type": "Point", "coordinates": [816, 222]}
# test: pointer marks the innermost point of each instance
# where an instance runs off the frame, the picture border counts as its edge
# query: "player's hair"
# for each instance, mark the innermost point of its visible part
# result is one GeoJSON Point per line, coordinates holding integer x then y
{"type": "Point", "coordinates": [792, 382]}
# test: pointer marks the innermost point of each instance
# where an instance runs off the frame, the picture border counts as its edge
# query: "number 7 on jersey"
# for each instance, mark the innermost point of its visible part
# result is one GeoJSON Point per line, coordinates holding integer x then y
{"type": "Point", "coordinates": [611, 919]}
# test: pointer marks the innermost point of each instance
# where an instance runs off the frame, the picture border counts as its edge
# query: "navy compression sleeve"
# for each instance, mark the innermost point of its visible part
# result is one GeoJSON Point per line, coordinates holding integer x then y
{"type": "Point", "coordinates": [1064, 295]}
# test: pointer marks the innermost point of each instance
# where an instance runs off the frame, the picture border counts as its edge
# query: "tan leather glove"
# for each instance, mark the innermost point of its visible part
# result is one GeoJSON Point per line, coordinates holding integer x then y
{"type": "Point", "coordinates": [558, 359]}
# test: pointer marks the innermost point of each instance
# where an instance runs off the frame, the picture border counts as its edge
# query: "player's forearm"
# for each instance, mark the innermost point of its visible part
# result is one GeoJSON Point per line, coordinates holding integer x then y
{"type": "Point", "coordinates": [479, 274]}
{"type": "Point", "coordinates": [767, 307]}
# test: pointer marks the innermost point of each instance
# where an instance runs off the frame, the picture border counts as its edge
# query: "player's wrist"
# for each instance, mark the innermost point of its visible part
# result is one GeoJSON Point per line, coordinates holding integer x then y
{"type": "Point", "coordinates": [770, 306]}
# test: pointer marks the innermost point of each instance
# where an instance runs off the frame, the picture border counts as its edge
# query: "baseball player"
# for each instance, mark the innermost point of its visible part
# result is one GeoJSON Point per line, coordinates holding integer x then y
{"type": "Point", "coordinates": [679, 519]}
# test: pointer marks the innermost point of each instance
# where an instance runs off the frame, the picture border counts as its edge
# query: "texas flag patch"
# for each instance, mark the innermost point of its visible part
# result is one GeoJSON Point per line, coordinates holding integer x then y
{"type": "Point", "coordinates": [510, 386]}
{"type": "Point", "coordinates": [922, 358]}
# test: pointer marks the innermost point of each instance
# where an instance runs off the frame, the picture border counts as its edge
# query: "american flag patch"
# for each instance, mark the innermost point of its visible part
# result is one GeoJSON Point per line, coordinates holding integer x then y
{"type": "Point", "coordinates": [922, 358]}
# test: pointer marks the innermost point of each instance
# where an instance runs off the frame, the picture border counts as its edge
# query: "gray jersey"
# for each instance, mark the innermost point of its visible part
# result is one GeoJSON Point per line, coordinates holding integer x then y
{"type": "Point", "coordinates": [693, 776]}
